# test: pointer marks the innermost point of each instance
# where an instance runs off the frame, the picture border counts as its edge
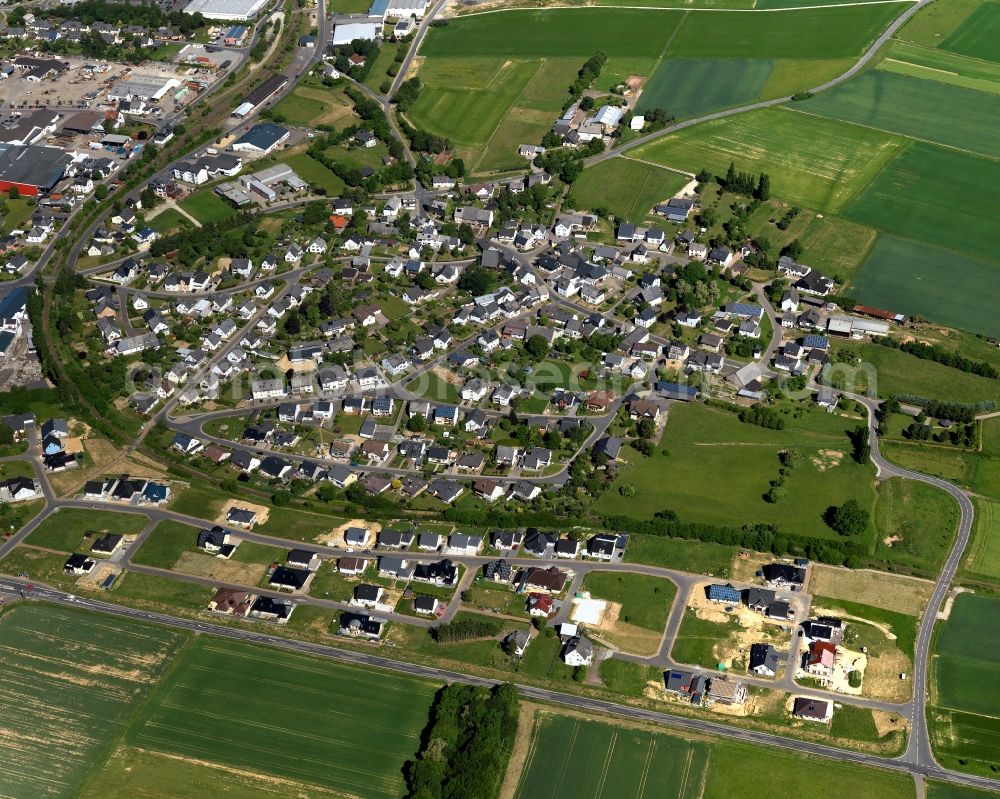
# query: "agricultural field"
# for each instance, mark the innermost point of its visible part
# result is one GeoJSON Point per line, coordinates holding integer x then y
{"type": "Point", "coordinates": [977, 35]}
{"type": "Point", "coordinates": [812, 161]}
{"type": "Point", "coordinates": [626, 188]}
{"type": "Point", "coordinates": [691, 87]}
{"type": "Point", "coordinates": [923, 109]}
{"type": "Point", "coordinates": [941, 66]}
{"type": "Point", "coordinates": [295, 728]}
{"type": "Point", "coordinates": [937, 22]}
{"type": "Point", "coordinates": [70, 681]}
{"type": "Point", "coordinates": [936, 195]}
{"type": "Point", "coordinates": [907, 275]}
{"type": "Point", "coordinates": [965, 719]}
{"type": "Point", "coordinates": [982, 556]}
{"type": "Point", "coordinates": [600, 760]}
{"type": "Point", "coordinates": [700, 441]}
{"type": "Point", "coordinates": [948, 790]}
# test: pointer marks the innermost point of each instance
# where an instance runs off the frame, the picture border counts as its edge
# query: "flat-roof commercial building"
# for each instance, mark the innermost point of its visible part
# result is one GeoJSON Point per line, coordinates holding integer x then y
{"type": "Point", "coordinates": [347, 30]}
{"type": "Point", "coordinates": [31, 168]}
{"type": "Point", "coordinates": [142, 87]}
{"type": "Point", "coordinates": [261, 139]}
{"type": "Point", "coordinates": [229, 10]}
{"type": "Point", "coordinates": [263, 92]}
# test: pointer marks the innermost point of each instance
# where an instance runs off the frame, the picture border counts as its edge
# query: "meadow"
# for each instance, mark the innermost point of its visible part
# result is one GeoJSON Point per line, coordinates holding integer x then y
{"type": "Point", "coordinates": [166, 543]}
{"type": "Point", "coordinates": [70, 680]}
{"type": "Point", "coordinates": [705, 448]}
{"type": "Point", "coordinates": [937, 195]}
{"type": "Point", "coordinates": [982, 557]}
{"type": "Point", "coordinates": [64, 530]}
{"type": "Point", "coordinates": [206, 206]}
{"type": "Point", "coordinates": [965, 721]}
{"type": "Point", "coordinates": [923, 109]}
{"type": "Point", "coordinates": [310, 104]}
{"type": "Point", "coordinates": [812, 161]}
{"type": "Point", "coordinates": [919, 522]}
{"type": "Point", "coordinates": [626, 188]}
{"type": "Point", "coordinates": [907, 276]}
{"type": "Point", "coordinates": [937, 22]}
{"type": "Point", "coordinates": [289, 716]}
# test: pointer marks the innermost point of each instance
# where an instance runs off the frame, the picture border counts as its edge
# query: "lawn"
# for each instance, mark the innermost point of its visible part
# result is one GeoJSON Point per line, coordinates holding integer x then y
{"type": "Point", "coordinates": [704, 449]}
{"type": "Point", "coordinates": [918, 519]}
{"type": "Point", "coordinates": [310, 106]}
{"type": "Point", "coordinates": [317, 714]}
{"type": "Point", "coordinates": [697, 557]}
{"type": "Point", "coordinates": [965, 722]}
{"type": "Point", "coordinates": [814, 161]}
{"type": "Point", "coordinates": [982, 557]}
{"type": "Point", "coordinates": [64, 529]}
{"type": "Point", "coordinates": [906, 276]}
{"type": "Point", "coordinates": [165, 594]}
{"type": "Point", "coordinates": [935, 195]}
{"type": "Point", "coordinates": [645, 600]}
{"type": "Point", "coordinates": [165, 544]}
{"type": "Point", "coordinates": [315, 174]}
{"type": "Point", "coordinates": [169, 221]}
{"type": "Point", "coordinates": [924, 109]}
{"type": "Point", "coordinates": [207, 206]}
{"type": "Point", "coordinates": [18, 214]}
{"type": "Point", "coordinates": [626, 188]}
{"type": "Point", "coordinates": [432, 387]}
{"type": "Point", "coordinates": [691, 87]}
{"type": "Point", "coordinates": [70, 681]}
{"type": "Point", "coordinates": [977, 36]}
{"type": "Point", "coordinates": [594, 760]}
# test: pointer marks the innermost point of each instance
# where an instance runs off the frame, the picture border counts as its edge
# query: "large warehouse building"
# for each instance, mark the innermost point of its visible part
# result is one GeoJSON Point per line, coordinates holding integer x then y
{"type": "Point", "coordinates": [31, 168]}
{"type": "Point", "coordinates": [227, 10]}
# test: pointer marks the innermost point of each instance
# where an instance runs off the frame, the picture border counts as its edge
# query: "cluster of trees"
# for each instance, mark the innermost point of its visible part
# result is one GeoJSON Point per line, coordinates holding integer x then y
{"type": "Point", "coordinates": [849, 519]}
{"type": "Point", "coordinates": [746, 183]}
{"type": "Point", "coordinates": [919, 430]}
{"type": "Point", "coordinates": [691, 286]}
{"type": "Point", "coordinates": [466, 746]}
{"type": "Point", "coordinates": [788, 460]}
{"type": "Point", "coordinates": [237, 236]}
{"type": "Point", "coordinates": [477, 279]}
{"type": "Point", "coordinates": [589, 72]}
{"type": "Point", "coordinates": [363, 47]}
{"type": "Point", "coordinates": [566, 164]}
{"type": "Point", "coordinates": [422, 141]}
{"type": "Point", "coordinates": [406, 96]}
{"type": "Point", "coordinates": [762, 417]}
{"type": "Point", "coordinates": [938, 354]}
{"type": "Point", "coordinates": [121, 14]}
{"type": "Point", "coordinates": [861, 448]}
{"type": "Point", "coordinates": [962, 412]}
{"type": "Point", "coordinates": [465, 629]}
{"type": "Point", "coordinates": [511, 206]}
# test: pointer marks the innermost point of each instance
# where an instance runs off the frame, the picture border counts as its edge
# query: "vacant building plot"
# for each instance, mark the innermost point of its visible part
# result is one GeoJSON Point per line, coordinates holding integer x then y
{"type": "Point", "coordinates": [924, 109]}
{"type": "Point", "coordinates": [977, 36]}
{"type": "Point", "coordinates": [296, 718]}
{"type": "Point", "coordinates": [65, 529]}
{"type": "Point", "coordinates": [626, 188]}
{"type": "Point", "coordinates": [907, 276]}
{"type": "Point", "coordinates": [710, 448]}
{"type": "Point", "coordinates": [935, 195]}
{"type": "Point", "coordinates": [690, 87]}
{"type": "Point", "coordinates": [636, 611]}
{"type": "Point", "coordinates": [70, 680]}
{"type": "Point", "coordinates": [206, 206]}
{"type": "Point", "coordinates": [982, 557]}
{"type": "Point", "coordinates": [965, 722]}
{"type": "Point", "coordinates": [893, 592]}
{"type": "Point", "coordinates": [810, 33]}
{"type": "Point", "coordinates": [310, 106]}
{"type": "Point", "coordinates": [572, 756]}
{"type": "Point", "coordinates": [811, 161]}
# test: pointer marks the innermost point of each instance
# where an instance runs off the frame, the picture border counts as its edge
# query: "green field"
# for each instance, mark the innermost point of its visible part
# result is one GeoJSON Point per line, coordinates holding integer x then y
{"type": "Point", "coordinates": [691, 87]}
{"type": "Point", "coordinates": [587, 760]}
{"type": "Point", "coordinates": [907, 276]}
{"type": "Point", "coordinates": [645, 600]}
{"type": "Point", "coordinates": [697, 557]}
{"type": "Point", "coordinates": [69, 681]}
{"type": "Point", "coordinates": [942, 66]}
{"type": "Point", "coordinates": [310, 105]}
{"type": "Point", "coordinates": [918, 518]}
{"type": "Point", "coordinates": [315, 174]}
{"type": "Point", "coordinates": [710, 448]}
{"type": "Point", "coordinates": [924, 109]}
{"type": "Point", "coordinates": [165, 544]}
{"type": "Point", "coordinates": [965, 722]}
{"type": "Point", "coordinates": [933, 194]}
{"type": "Point", "coordinates": [948, 790]}
{"type": "Point", "coordinates": [817, 162]}
{"type": "Point", "coordinates": [206, 206]}
{"type": "Point", "coordinates": [64, 529]}
{"type": "Point", "coordinates": [982, 557]}
{"type": "Point", "coordinates": [937, 21]}
{"type": "Point", "coordinates": [977, 36]}
{"type": "Point", "coordinates": [696, 640]}
{"type": "Point", "coordinates": [310, 721]}
{"type": "Point", "coordinates": [169, 221]}
{"type": "Point", "coordinates": [977, 470]}
{"type": "Point", "coordinates": [626, 188]}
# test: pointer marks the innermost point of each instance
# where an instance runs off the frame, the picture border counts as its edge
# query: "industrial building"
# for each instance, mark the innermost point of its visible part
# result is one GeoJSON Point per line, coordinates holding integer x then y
{"type": "Point", "coordinates": [347, 29]}
{"type": "Point", "coordinates": [226, 10]}
{"type": "Point", "coordinates": [261, 139]}
{"type": "Point", "coordinates": [33, 169]}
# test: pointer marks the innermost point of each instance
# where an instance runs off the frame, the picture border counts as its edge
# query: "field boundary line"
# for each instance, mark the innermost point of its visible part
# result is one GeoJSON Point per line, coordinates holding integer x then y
{"type": "Point", "coordinates": [673, 169]}
{"type": "Point", "coordinates": [687, 10]}
{"type": "Point", "coordinates": [948, 52]}
{"type": "Point", "coordinates": [894, 133]}
{"type": "Point", "coordinates": [511, 107]}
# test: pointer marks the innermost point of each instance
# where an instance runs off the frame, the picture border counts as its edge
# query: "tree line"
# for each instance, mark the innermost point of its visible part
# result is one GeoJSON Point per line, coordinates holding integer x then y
{"type": "Point", "coordinates": [938, 354]}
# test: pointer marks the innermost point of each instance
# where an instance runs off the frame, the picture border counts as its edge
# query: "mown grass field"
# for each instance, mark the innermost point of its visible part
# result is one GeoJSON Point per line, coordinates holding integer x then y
{"type": "Point", "coordinates": [948, 790]}
{"type": "Point", "coordinates": [697, 557]}
{"type": "Point", "coordinates": [626, 188]}
{"type": "Point", "coordinates": [206, 206]}
{"type": "Point", "coordinates": [65, 529]}
{"type": "Point", "coordinates": [710, 449]}
{"type": "Point", "coordinates": [979, 471]}
{"type": "Point", "coordinates": [924, 109]}
{"type": "Point", "coordinates": [936, 195]}
{"type": "Point", "coordinates": [165, 544]}
{"type": "Point", "coordinates": [288, 716]}
{"type": "Point", "coordinates": [69, 681]}
{"type": "Point", "coordinates": [690, 87]}
{"type": "Point", "coordinates": [915, 277]}
{"type": "Point", "coordinates": [937, 22]}
{"type": "Point", "coordinates": [982, 557]}
{"type": "Point", "coordinates": [314, 173]}
{"type": "Point", "coordinates": [917, 520]}
{"type": "Point", "coordinates": [645, 600]}
{"type": "Point", "coordinates": [965, 721]}
{"type": "Point", "coordinates": [812, 161]}
{"type": "Point", "coordinates": [587, 759]}
{"type": "Point", "coordinates": [312, 105]}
